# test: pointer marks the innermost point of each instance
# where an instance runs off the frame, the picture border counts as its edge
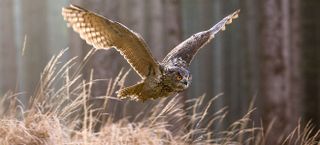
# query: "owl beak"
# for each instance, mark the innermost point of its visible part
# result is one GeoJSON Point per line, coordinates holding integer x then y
{"type": "Point", "coordinates": [185, 82]}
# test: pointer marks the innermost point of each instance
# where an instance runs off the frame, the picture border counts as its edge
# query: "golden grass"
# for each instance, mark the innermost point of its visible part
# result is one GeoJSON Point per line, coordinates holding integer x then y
{"type": "Point", "coordinates": [59, 113]}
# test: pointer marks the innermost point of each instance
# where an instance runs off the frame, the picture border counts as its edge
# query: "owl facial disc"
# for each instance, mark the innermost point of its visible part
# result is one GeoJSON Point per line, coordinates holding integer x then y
{"type": "Point", "coordinates": [177, 78]}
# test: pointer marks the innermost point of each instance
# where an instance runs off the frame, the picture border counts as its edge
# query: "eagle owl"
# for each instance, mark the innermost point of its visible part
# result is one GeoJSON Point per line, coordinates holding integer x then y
{"type": "Point", "coordinates": [159, 79]}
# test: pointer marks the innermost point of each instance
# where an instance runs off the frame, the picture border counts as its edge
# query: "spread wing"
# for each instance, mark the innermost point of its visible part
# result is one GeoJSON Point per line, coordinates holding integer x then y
{"type": "Point", "coordinates": [103, 33]}
{"type": "Point", "coordinates": [186, 50]}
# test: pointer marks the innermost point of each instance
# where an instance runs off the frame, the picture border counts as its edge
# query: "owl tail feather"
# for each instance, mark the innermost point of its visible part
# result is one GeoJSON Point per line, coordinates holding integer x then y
{"type": "Point", "coordinates": [132, 92]}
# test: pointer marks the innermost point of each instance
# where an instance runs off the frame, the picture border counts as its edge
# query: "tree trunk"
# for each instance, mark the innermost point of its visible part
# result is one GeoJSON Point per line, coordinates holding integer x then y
{"type": "Point", "coordinates": [311, 59]}
{"type": "Point", "coordinates": [155, 30]}
{"type": "Point", "coordinates": [280, 85]}
{"type": "Point", "coordinates": [8, 65]}
{"type": "Point", "coordinates": [34, 28]}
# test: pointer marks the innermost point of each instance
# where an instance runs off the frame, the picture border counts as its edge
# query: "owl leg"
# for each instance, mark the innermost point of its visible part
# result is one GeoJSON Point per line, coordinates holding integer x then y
{"type": "Point", "coordinates": [133, 92]}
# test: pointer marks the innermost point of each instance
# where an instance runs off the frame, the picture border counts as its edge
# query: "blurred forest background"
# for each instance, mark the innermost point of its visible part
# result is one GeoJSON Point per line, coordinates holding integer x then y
{"type": "Point", "coordinates": [270, 53]}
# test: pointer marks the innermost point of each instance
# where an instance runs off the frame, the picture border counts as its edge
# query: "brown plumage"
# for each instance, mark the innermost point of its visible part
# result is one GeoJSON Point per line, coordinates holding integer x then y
{"type": "Point", "coordinates": [158, 79]}
{"type": "Point", "coordinates": [188, 48]}
{"type": "Point", "coordinates": [103, 34]}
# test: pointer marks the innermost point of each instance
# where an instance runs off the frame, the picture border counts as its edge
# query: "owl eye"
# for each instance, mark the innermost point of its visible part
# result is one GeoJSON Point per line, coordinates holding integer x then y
{"type": "Point", "coordinates": [178, 77]}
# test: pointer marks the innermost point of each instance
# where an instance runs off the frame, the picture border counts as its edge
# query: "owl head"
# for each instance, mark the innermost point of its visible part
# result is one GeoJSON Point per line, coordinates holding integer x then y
{"type": "Point", "coordinates": [177, 78]}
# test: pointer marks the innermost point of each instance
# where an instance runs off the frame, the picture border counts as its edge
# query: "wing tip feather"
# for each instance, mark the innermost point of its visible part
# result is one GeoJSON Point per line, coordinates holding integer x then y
{"type": "Point", "coordinates": [236, 14]}
{"type": "Point", "coordinates": [226, 21]}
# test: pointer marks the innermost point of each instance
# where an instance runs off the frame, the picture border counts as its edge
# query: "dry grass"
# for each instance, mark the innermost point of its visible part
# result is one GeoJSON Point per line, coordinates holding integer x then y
{"type": "Point", "coordinates": [58, 113]}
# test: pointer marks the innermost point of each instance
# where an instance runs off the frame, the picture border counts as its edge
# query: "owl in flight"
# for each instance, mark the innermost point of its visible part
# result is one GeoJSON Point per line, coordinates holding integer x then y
{"type": "Point", "coordinates": [159, 79]}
